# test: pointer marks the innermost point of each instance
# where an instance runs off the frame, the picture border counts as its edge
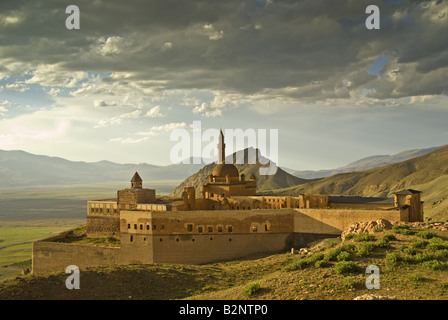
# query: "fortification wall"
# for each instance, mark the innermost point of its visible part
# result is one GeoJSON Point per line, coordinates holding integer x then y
{"type": "Point", "coordinates": [334, 221]}
{"type": "Point", "coordinates": [52, 256]}
{"type": "Point", "coordinates": [103, 226]}
{"type": "Point", "coordinates": [200, 249]}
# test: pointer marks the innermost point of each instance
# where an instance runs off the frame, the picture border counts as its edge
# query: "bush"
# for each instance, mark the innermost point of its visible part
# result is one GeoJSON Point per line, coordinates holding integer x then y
{"type": "Point", "coordinates": [437, 243]}
{"type": "Point", "coordinates": [416, 277]}
{"type": "Point", "coordinates": [383, 243]}
{"type": "Point", "coordinates": [436, 265]}
{"type": "Point", "coordinates": [347, 267]}
{"type": "Point", "coordinates": [251, 289]}
{"type": "Point", "coordinates": [389, 237]}
{"type": "Point", "coordinates": [425, 234]}
{"type": "Point", "coordinates": [321, 264]}
{"type": "Point", "coordinates": [299, 264]}
{"type": "Point", "coordinates": [344, 256]}
{"type": "Point", "coordinates": [349, 247]}
{"type": "Point", "coordinates": [364, 237]}
{"type": "Point", "coordinates": [392, 260]}
{"type": "Point", "coordinates": [402, 229]}
{"type": "Point", "coordinates": [350, 282]}
{"type": "Point", "coordinates": [349, 236]}
{"type": "Point", "coordinates": [365, 249]}
{"type": "Point", "coordinates": [419, 243]}
{"type": "Point", "coordinates": [315, 257]}
{"type": "Point", "coordinates": [410, 250]}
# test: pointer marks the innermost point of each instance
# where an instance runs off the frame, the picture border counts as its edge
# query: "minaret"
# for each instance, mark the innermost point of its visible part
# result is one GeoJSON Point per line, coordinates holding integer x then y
{"type": "Point", "coordinates": [221, 148]}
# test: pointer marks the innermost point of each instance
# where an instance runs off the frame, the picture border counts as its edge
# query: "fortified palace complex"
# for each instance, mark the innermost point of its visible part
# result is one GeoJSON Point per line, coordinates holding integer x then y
{"type": "Point", "coordinates": [227, 221]}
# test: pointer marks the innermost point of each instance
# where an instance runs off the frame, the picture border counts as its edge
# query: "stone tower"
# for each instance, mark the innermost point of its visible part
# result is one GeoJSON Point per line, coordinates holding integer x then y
{"type": "Point", "coordinates": [136, 181]}
{"type": "Point", "coordinates": [127, 199]}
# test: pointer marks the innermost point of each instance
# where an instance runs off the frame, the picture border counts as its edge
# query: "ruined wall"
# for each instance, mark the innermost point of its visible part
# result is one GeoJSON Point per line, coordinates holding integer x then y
{"type": "Point", "coordinates": [51, 256]}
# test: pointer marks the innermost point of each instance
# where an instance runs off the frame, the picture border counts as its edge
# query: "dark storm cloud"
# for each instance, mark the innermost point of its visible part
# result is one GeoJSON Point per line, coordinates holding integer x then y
{"type": "Point", "coordinates": [307, 50]}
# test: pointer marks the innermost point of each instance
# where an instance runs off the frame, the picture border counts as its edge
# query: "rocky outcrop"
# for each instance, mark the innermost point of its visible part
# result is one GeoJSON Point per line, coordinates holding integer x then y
{"type": "Point", "coordinates": [366, 227]}
{"type": "Point", "coordinates": [368, 296]}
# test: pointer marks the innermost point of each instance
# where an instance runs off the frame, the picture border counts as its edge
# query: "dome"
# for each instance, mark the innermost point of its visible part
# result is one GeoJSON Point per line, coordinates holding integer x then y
{"type": "Point", "coordinates": [224, 169]}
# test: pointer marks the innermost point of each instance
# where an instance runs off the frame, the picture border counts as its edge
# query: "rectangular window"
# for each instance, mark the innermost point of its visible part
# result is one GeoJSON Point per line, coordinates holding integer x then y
{"type": "Point", "coordinates": [154, 227]}
{"type": "Point", "coordinates": [229, 229]}
{"type": "Point", "coordinates": [209, 229]}
{"type": "Point", "coordinates": [129, 226]}
{"type": "Point", "coordinates": [135, 226]}
{"type": "Point", "coordinates": [219, 228]}
{"type": "Point", "coordinates": [141, 227]}
{"type": "Point", "coordinates": [163, 227]}
{"type": "Point", "coordinates": [267, 227]}
{"type": "Point", "coordinates": [147, 227]}
{"type": "Point", "coordinates": [131, 239]}
{"type": "Point", "coordinates": [199, 229]}
{"type": "Point", "coordinates": [189, 227]}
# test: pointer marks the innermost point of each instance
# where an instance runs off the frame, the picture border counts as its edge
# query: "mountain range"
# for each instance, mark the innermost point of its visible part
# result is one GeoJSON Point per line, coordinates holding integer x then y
{"type": "Point", "coordinates": [427, 173]}
{"type": "Point", "coordinates": [363, 164]}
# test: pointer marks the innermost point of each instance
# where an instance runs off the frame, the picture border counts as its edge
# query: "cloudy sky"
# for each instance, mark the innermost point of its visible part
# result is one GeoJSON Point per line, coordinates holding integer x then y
{"type": "Point", "coordinates": [136, 70]}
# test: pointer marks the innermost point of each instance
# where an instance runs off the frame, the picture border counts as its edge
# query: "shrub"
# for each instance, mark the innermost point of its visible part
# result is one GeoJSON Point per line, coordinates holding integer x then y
{"type": "Point", "coordinates": [425, 234]}
{"type": "Point", "coordinates": [419, 243]}
{"type": "Point", "coordinates": [389, 237]}
{"type": "Point", "coordinates": [346, 267]}
{"type": "Point", "coordinates": [437, 243]}
{"type": "Point", "coordinates": [251, 289]}
{"type": "Point", "coordinates": [365, 249]}
{"type": "Point", "coordinates": [349, 236]}
{"type": "Point", "coordinates": [333, 254]}
{"type": "Point", "coordinates": [392, 260]}
{"type": "Point", "coordinates": [410, 250]}
{"type": "Point", "coordinates": [349, 247]}
{"type": "Point", "coordinates": [321, 264]}
{"type": "Point", "coordinates": [299, 264]}
{"type": "Point", "coordinates": [315, 257]}
{"type": "Point", "coordinates": [364, 237]}
{"type": "Point", "coordinates": [383, 243]}
{"type": "Point", "coordinates": [402, 229]}
{"type": "Point", "coordinates": [350, 282]}
{"type": "Point", "coordinates": [436, 265]}
{"type": "Point", "coordinates": [416, 277]}
{"type": "Point", "coordinates": [344, 256]}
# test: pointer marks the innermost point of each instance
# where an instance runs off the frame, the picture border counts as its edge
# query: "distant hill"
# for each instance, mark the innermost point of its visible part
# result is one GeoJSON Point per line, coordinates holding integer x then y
{"type": "Point", "coordinates": [247, 163]}
{"type": "Point", "coordinates": [363, 164]}
{"type": "Point", "coordinates": [19, 168]}
{"type": "Point", "coordinates": [428, 173]}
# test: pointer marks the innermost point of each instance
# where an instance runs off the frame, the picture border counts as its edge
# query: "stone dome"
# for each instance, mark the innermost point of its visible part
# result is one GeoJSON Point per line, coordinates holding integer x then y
{"type": "Point", "coordinates": [224, 169]}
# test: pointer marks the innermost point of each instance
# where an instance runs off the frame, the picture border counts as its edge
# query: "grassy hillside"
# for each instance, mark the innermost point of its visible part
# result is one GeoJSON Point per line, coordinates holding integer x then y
{"type": "Point", "coordinates": [427, 173]}
{"type": "Point", "coordinates": [413, 264]}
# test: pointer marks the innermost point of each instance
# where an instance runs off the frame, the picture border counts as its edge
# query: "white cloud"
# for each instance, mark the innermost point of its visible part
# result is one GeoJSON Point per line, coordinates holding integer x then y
{"type": "Point", "coordinates": [215, 107]}
{"type": "Point", "coordinates": [154, 112]}
{"type": "Point", "coordinates": [212, 33]}
{"type": "Point", "coordinates": [128, 140]}
{"type": "Point", "coordinates": [117, 120]}
{"type": "Point", "coordinates": [17, 87]}
{"type": "Point", "coordinates": [55, 75]}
